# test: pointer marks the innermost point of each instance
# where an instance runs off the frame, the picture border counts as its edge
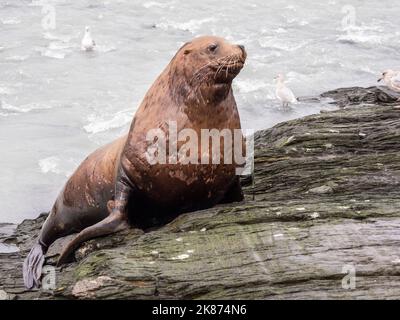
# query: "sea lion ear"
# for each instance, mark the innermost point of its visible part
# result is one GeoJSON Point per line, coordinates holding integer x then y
{"type": "Point", "coordinates": [186, 49]}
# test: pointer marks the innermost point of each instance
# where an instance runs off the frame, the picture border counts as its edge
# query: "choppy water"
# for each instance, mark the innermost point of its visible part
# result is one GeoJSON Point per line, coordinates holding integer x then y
{"type": "Point", "coordinates": [7, 230]}
{"type": "Point", "coordinates": [58, 103]}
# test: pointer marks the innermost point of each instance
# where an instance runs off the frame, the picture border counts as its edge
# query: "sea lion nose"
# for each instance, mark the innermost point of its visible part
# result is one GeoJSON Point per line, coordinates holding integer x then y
{"type": "Point", "coordinates": [241, 47]}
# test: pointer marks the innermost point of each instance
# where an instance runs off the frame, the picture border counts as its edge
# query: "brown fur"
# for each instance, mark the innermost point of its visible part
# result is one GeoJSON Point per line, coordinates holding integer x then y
{"type": "Point", "coordinates": [116, 183]}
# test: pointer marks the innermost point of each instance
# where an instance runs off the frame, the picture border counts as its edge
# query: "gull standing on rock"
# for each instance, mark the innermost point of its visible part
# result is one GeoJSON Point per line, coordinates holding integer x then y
{"type": "Point", "coordinates": [283, 93]}
{"type": "Point", "coordinates": [391, 79]}
{"type": "Point", "coordinates": [87, 43]}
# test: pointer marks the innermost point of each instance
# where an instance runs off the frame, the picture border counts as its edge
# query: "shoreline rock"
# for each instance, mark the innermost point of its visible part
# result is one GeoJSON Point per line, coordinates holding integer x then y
{"type": "Point", "coordinates": [324, 206]}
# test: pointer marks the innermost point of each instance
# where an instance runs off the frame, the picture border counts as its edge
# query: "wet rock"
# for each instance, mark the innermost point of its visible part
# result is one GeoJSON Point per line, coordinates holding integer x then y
{"type": "Point", "coordinates": [357, 95]}
{"type": "Point", "coordinates": [313, 217]}
{"type": "Point", "coordinates": [321, 190]}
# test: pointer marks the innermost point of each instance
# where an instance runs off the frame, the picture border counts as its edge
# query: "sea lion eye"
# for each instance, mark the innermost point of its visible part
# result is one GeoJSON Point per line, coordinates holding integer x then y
{"type": "Point", "coordinates": [212, 47]}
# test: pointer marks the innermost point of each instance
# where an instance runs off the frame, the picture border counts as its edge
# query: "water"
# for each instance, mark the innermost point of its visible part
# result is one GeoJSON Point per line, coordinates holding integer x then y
{"type": "Point", "coordinates": [58, 104]}
{"type": "Point", "coordinates": [7, 230]}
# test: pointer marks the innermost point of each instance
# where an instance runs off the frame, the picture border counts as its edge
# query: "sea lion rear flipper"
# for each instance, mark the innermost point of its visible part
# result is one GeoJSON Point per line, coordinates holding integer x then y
{"type": "Point", "coordinates": [32, 267]}
{"type": "Point", "coordinates": [113, 223]}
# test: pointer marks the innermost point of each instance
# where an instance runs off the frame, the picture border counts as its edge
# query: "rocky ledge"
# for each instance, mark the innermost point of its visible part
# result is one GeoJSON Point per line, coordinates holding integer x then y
{"type": "Point", "coordinates": [321, 220]}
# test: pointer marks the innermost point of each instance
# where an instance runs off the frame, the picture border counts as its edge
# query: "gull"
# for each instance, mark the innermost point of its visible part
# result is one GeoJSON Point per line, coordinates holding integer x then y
{"type": "Point", "coordinates": [391, 79]}
{"type": "Point", "coordinates": [87, 43]}
{"type": "Point", "coordinates": [283, 93]}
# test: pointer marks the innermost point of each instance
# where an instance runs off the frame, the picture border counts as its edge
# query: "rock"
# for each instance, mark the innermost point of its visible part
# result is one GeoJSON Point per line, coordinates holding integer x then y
{"type": "Point", "coordinates": [314, 218]}
{"type": "Point", "coordinates": [321, 190]}
{"type": "Point", "coordinates": [356, 95]}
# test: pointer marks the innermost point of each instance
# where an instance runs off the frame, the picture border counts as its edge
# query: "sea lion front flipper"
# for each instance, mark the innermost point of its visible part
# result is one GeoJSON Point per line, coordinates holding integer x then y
{"type": "Point", "coordinates": [32, 267]}
{"type": "Point", "coordinates": [234, 193]}
{"type": "Point", "coordinates": [115, 222]}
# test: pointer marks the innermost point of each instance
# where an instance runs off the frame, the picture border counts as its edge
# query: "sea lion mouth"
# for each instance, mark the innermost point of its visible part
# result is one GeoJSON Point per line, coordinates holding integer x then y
{"type": "Point", "coordinates": [227, 69]}
{"type": "Point", "coordinates": [220, 71]}
{"type": "Point", "coordinates": [231, 68]}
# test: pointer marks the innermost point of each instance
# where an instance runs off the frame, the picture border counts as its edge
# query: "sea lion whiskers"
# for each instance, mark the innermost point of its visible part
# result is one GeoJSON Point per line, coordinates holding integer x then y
{"type": "Point", "coordinates": [221, 63]}
{"type": "Point", "coordinates": [227, 64]}
{"type": "Point", "coordinates": [200, 71]}
{"type": "Point", "coordinates": [218, 71]}
{"type": "Point", "coordinates": [234, 66]}
{"type": "Point", "coordinates": [207, 74]}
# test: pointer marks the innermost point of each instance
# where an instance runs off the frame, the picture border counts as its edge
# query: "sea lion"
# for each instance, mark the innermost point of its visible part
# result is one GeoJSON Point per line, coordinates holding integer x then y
{"type": "Point", "coordinates": [116, 186]}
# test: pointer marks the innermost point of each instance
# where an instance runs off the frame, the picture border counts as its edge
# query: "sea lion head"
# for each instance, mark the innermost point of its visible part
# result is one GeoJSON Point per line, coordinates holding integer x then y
{"type": "Point", "coordinates": [203, 69]}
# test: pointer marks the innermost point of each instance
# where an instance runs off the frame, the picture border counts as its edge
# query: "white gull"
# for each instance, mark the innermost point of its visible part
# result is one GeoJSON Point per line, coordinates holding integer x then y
{"type": "Point", "coordinates": [87, 43]}
{"type": "Point", "coordinates": [283, 93]}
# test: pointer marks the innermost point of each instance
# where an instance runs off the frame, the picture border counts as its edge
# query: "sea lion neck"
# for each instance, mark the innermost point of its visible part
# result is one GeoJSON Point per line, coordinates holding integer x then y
{"type": "Point", "coordinates": [207, 96]}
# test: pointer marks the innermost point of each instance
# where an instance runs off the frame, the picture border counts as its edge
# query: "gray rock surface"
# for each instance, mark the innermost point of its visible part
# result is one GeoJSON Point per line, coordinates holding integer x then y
{"type": "Point", "coordinates": [324, 206]}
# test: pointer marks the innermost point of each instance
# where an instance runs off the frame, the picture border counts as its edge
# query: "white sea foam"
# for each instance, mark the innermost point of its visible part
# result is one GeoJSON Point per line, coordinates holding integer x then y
{"type": "Point", "coordinates": [281, 44]}
{"type": "Point", "coordinates": [59, 166]}
{"type": "Point", "coordinates": [17, 58]}
{"type": "Point", "coordinates": [191, 25]}
{"type": "Point", "coordinates": [11, 21]}
{"type": "Point", "coordinates": [361, 38]}
{"type": "Point", "coordinates": [103, 123]}
{"type": "Point", "coordinates": [57, 49]}
{"type": "Point", "coordinates": [50, 165]}
{"type": "Point", "coordinates": [55, 54]}
{"type": "Point", "coordinates": [249, 85]}
{"type": "Point", "coordinates": [280, 30]}
{"type": "Point", "coordinates": [363, 34]}
{"type": "Point", "coordinates": [105, 48]}
{"type": "Point", "coordinates": [6, 91]}
{"type": "Point", "coordinates": [367, 69]}
{"type": "Point", "coordinates": [6, 114]}
{"type": "Point", "coordinates": [151, 4]}
{"type": "Point", "coordinates": [375, 27]}
{"type": "Point", "coordinates": [296, 21]}
{"type": "Point", "coordinates": [24, 108]}
{"type": "Point", "coordinates": [293, 75]}
{"type": "Point", "coordinates": [59, 45]}
{"type": "Point", "coordinates": [39, 3]}
{"type": "Point", "coordinates": [58, 37]}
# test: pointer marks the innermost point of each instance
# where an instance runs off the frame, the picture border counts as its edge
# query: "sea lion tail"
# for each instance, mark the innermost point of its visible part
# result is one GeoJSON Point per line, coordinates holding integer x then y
{"type": "Point", "coordinates": [32, 267]}
{"type": "Point", "coordinates": [113, 223]}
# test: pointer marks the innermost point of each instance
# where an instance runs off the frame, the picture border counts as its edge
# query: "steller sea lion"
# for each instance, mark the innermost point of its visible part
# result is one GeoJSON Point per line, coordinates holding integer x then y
{"type": "Point", "coordinates": [116, 186]}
